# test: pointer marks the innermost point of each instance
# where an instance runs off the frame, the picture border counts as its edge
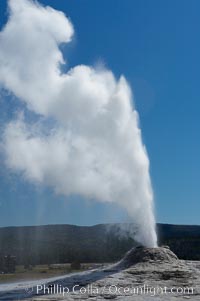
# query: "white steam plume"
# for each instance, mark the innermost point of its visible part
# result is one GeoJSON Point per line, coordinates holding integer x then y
{"type": "Point", "coordinates": [94, 148]}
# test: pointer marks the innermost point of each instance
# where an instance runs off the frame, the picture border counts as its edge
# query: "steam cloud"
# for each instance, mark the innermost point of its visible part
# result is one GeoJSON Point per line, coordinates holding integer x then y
{"type": "Point", "coordinates": [93, 147]}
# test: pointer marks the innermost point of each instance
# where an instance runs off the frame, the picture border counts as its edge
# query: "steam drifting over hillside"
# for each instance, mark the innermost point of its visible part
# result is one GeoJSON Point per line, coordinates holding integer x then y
{"type": "Point", "coordinates": [86, 139]}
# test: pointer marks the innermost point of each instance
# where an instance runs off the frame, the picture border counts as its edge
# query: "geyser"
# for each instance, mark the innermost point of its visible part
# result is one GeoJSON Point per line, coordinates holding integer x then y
{"type": "Point", "coordinates": [86, 138]}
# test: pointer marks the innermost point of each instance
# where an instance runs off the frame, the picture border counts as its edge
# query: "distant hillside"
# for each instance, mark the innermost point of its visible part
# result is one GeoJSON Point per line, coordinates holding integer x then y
{"type": "Point", "coordinates": [100, 243]}
{"type": "Point", "coordinates": [184, 240]}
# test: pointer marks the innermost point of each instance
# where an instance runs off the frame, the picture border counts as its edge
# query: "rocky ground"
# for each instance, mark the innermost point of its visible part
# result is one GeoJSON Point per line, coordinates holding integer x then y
{"type": "Point", "coordinates": [143, 274]}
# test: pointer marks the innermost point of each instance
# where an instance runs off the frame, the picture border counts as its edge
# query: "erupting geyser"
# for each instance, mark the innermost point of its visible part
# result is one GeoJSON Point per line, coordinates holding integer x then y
{"type": "Point", "coordinates": [86, 139]}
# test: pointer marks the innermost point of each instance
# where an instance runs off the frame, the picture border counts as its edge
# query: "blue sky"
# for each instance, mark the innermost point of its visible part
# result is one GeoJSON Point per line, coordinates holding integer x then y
{"type": "Point", "coordinates": [156, 45]}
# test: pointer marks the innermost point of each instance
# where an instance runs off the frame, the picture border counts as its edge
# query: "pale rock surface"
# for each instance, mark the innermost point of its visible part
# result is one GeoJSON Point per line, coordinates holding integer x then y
{"type": "Point", "coordinates": [156, 268]}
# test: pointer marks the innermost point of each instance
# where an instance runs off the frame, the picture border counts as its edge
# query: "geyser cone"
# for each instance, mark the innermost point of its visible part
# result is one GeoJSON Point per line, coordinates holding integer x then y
{"type": "Point", "coordinates": [143, 254]}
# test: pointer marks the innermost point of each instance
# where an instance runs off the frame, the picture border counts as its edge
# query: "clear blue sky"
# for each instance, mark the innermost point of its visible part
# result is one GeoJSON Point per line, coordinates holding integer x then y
{"type": "Point", "coordinates": [156, 44]}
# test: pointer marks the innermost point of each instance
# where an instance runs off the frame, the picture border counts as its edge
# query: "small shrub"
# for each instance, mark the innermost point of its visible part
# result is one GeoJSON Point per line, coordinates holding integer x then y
{"type": "Point", "coordinates": [75, 265]}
